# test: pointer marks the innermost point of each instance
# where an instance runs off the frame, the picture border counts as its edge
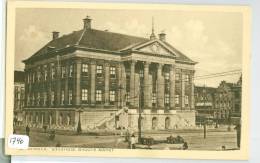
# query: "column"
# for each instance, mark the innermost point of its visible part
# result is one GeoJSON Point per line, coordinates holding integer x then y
{"type": "Point", "coordinates": [160, 87]}
{"type": "Point", "coordinates": [77, 82]}
{"type": "Point", "coordinates": [119, 86]}
{"type": "Point", "coordinates": [147, 94]}
{"type": "Point", "coordinates": [58, 83]}
{"type": "Point", "coordinates": [107, 77]}
{"type": "Point", "coordinates": [42, 120]}
{"type": "Point", "coordinates": [92, 82]}
{"type": "Point", "coordinates": [66, 84]}
{"type": "Point", "coordinates": [137, 90]}
{"type": "Point", "coordinates": [182, 89]}
{"type": "Point", "coordinates": [49, 86]}
{"type": "Point", "coordinates": [57, 118]}
{"type": "Point", "coordinates": [172, 87]}
{"type": "Point", "coordinates": [123, 83]}
{"type": "Point", "coordinates": [132, 83]}
{"type": "Point", "coordinates": [192, 90]}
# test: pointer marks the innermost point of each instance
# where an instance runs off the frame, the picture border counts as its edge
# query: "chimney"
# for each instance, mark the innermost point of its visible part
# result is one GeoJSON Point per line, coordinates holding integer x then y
{"type": "Point", "coordinates": [162, 36]}
{"type": "Point", "coordinates": [55, 35]}
{"type": "Point", "coordinates": [87, 23]}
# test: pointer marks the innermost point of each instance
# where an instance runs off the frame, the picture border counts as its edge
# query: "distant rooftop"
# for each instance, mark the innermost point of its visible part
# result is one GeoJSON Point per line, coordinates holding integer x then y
{"type": "Point", "coordinates": [19, 76]}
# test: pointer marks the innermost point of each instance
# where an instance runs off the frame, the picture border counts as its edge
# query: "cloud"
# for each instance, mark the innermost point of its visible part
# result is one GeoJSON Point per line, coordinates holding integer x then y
{"type": "Point", "coordinates": [131, 27]}
{"type": "Point", "coordinates": [213, 54]}
{"type": "Point", "coordinates": [30, 41]}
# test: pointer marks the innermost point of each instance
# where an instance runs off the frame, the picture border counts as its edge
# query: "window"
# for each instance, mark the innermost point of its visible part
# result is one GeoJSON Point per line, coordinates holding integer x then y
{"type": "Point", "coordinates": [177, 99]}
{"type": "Point", "coordinates": [39, 74]}
{"type": "Point", "coordinates": [98, 96]}
{"type": "Point", "coordinates": [154, 99]}
{"type": "Point", "coordinates": [85, 68]}
{"type": "Point", "coordinates": [187, 78]}
{"type": "Point", "coordinates": [28, 100]}
{"type": "Point", "coordinates": [63, 72]}
{"type": "Point", "coordinates": [70, 97]}
{"type": "Point", "coordinates": [44, 98]}
{"type": "Point", "coordinates": [166, 75]}
{"type": "Point", "coordinates": [99, 70]}
{"type": "Point", "coordinates": [38, 98]}
{"type": "Point", "coordinates": [32, 100]}
{"type": "Point", "coordinates": [177, 76]}
{"type": "Point", "coordinates": [186, 100]}
{"type": "Point", "coordinates": [52, 98]}
{"type": "Point", "coordinates": [112, 72]}
{"type": "Point", "coordinates": [141, 73]}
{"type": "Point", "coordinates": [62, 97]}
{"type": "Point", "coordinates": [45, 72]}
{"type": "Point", "coordinates": [167, 99]}
{"type": "Point", "coordinates": [112, 97]}
{"type": "Point", "coordinates": [52, 71]}
{"type": "Point", "coordinates": [84, 96]}
{"type": "Point", "coordinates": [71, 71]}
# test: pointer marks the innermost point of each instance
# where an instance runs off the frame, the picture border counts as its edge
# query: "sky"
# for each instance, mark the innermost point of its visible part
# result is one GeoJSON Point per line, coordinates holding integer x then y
{"type": "Point", "coordinates": [213, 39]}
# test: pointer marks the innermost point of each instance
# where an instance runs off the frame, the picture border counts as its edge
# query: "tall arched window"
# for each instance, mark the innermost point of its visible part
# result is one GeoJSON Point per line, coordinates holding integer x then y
{"type": "Point", "coordinates": [167, 123]}
{"type": "Point", "coordinates": [154, 123]}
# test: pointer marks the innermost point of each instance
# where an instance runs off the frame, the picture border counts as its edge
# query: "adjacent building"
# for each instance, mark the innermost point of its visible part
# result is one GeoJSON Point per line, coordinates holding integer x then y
{"type": "Point", "coordinates": [104, 79]}
{"type": "Point", "coordinates": [221, 104]}
{"type": "Point", "coordinates": [228, 101]}
{"type": "Point", "coordinates": [18, 97]}
{"type": "Point", "coordinates": [205, 103]}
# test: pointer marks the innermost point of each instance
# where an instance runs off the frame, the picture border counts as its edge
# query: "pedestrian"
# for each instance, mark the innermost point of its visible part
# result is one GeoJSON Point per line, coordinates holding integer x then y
{"type": "Point", "coordinates": [238, 129]}
{"type": "Point", "coordinates": [185, 146]}
{"type": "Point", "coordinates": [132, 140]}
{"type": "Point", "coordinates": [27, 130]}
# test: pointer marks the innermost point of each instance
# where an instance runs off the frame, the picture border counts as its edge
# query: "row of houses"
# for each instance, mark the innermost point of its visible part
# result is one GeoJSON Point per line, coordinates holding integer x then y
{"type": "Point", "coordinates": [221, 104]}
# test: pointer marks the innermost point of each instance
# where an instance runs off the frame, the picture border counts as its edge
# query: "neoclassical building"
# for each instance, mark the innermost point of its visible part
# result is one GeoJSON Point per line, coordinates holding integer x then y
{"type": "Point", "coordinates": [103, 79]}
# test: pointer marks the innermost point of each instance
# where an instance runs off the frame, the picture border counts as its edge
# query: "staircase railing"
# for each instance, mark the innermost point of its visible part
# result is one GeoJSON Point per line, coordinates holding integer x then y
{"type": "Point", "coordinates": [109, 118]}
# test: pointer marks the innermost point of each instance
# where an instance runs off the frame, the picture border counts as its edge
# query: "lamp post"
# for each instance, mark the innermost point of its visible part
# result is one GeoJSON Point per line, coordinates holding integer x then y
{"type": "Point", "coordinates": [140, 108]}
{"type": "Point", "coordinates": [79, 130]}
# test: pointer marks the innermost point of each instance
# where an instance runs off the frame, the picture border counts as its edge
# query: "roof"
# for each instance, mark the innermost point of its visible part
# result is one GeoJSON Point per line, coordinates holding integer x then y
{"type": "Point", "coordinates": [19, 76]}
{"type": "Point", "coordinates": [199, 89]}
{"type": "Point", "coordinates": [99, 40]}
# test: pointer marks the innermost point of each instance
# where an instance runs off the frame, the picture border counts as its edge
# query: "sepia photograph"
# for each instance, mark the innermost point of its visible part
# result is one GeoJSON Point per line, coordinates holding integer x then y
{"type": "Point", "coordinates": [122, 79]}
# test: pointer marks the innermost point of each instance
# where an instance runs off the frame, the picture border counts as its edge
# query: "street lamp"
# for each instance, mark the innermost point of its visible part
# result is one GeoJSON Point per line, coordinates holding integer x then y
{"type": "Point", "coordinates": [79, 130]}
{"type": "Point", "coordinates": [140, 110]}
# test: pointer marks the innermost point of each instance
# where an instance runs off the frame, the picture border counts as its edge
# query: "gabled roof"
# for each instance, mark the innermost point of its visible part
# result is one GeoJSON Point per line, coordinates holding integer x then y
{"type": "Point", "coordinates": [200, 89]}
{"type": "Point", "coordinates": [99, 40]}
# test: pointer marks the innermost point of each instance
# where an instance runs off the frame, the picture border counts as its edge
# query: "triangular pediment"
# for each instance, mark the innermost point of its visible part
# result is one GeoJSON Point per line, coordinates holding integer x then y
{"type": "Point", "coordinates": [155, 47]}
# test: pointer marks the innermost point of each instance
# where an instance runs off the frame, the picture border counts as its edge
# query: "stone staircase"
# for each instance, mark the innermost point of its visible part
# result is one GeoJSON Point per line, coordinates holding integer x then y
{"type": "Point", "coordinates": [108, 119]}
{"type": "Point", "coordinates": [98, 119]}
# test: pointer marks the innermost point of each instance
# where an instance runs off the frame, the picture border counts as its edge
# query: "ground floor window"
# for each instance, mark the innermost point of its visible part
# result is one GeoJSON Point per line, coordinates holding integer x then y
{"type": "Point", "coordinates": [112, 97]}
{"type": "Point", "coordinates": [84, 96]}
{"type": "Point", "coordinates": [98, 96]}
{"type": "Point", "coordinates": [154, 123]}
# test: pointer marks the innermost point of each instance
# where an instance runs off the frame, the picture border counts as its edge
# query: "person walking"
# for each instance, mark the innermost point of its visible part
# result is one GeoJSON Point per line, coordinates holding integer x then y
{"type": "Point", "coordinates": [238, 129]}
{"type": "Point", "coordinates": [132, 140]}
{"type": "Point", "coordinates": [27, 130]}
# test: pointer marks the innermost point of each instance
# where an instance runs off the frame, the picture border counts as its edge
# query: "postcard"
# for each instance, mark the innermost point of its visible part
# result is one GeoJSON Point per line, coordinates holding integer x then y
{"type": "Point", "coordinates": [127, 80]}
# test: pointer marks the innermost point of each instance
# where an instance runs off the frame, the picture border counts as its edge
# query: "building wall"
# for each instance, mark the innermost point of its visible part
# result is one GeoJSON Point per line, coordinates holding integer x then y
{"type": "Point", "coordinates": [54, 88]}
{"type": "Point", "coordinates": [18, 102]}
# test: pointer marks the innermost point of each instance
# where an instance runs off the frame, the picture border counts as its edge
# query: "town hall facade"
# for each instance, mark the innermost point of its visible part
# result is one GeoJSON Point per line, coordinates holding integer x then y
{"type": "Point", "coordinates": [104, 79]}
